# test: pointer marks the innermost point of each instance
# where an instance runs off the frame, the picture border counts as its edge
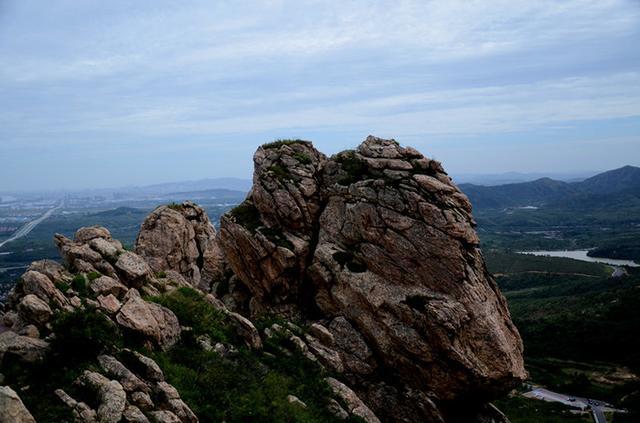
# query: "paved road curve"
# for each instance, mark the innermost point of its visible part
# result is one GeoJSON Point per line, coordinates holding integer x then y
{"type": "Point", "coordinates": [582, 403]}
{"type": "Point", "coordinates": [24, 231]}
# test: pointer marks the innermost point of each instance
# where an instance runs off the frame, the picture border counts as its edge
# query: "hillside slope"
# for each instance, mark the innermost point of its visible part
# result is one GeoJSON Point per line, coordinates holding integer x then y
{"type": "Point", "coordinates": [343, 288]}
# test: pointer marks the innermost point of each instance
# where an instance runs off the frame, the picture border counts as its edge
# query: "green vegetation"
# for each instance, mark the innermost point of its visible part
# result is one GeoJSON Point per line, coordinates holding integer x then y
{"type": "Point", "coordinates": [280, 142]}
{"type": "Point", "coordinates": [302, 158]}
{"type": "Point", "coordinates": [79, 284]}
{"type": "Point", "coordinates": [355, 168]}
{"type": "Point", "coordinates": [175, 206]}
{"type": "Point", "coordinates": [193, 311]}
{"type": "Point", "coordinates": [579, 328]}
{"type": "Point", "coordinates": [249, 386]}
{"type": "Point", "coordinates": [80, 336]}
{"type": "Point", "coordinates": [247, 215]}
{"type": "Point", "coordinates": [245, 385]}
{"type": "Point", "coordinates": [84, 334]}
{"type": "Point", "coordinates": [510, 263]}
{"type": "Point", "coordinates": [281, 173]}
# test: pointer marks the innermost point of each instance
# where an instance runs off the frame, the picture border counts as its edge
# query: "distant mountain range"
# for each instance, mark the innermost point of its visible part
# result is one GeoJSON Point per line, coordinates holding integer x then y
{"type": "Point", "coordinates": [617, 186]}
{"type": "Point", "coordinates": [491, 179]}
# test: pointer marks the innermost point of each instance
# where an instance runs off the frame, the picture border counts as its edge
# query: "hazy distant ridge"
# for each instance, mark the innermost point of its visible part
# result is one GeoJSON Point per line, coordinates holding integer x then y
{"type": "Point", "coordinates": [612, 185]}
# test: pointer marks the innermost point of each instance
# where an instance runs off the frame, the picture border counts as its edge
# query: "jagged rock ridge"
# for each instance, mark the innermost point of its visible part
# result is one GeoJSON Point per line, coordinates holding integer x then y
{"type": "Point", "coordinates": [378, 243]}
{"type": "Point", "coordinates": [373, 250]}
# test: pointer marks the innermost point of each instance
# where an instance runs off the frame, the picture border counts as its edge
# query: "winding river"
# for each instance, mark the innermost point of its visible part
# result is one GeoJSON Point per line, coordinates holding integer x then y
{"type": "Point", "coordinates": [582, 255]}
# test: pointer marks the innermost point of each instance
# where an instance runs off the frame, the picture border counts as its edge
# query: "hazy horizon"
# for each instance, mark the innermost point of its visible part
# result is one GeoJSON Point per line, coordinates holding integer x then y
{"type": "Point", "coordinates": [110, 94]}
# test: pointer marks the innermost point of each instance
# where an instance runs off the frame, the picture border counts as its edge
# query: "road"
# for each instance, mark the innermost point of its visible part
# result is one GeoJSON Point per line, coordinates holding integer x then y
{"type": "Point", "coordinates": [598, 414]}
{"type": "Point", "coordinates": [28, 227]}
{"type": "Point", "coordinates": [582, 403]}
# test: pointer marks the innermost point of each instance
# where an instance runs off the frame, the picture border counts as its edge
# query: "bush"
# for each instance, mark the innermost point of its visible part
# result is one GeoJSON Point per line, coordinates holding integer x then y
{"type": "Point", "coordinates": [193, 310]}
{"type": "Point", "coordinates": [247, 215]}
{"type": "Point", "coordinates": [302, 158]}
{"type": "Point", "coordinates": [280, 142]}
{"type": "Point", "coordinates": [250, 387]}
{"type": "Point", "coordinates": [79, 284]}
{"type": "Point", "coordinates": [281, 173]}
{"type": "Point", "coordinates": [83, 334]}
{"type": "Point", "coordinates": [355, 168]}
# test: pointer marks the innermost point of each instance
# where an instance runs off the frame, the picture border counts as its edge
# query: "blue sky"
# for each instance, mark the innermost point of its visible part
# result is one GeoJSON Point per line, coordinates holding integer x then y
{"type": "Point", "coordinates": [111, 93]}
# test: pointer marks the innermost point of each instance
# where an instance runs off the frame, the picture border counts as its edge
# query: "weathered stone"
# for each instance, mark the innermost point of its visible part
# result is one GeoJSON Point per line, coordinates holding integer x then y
{"type": "Point", "coordinates": [143, 365]}
{"type": "Point", "coordinates": [327, 356]}
{"type": "Point", "coordinates": [382, 238]}
{"type": "Point", "coordinates": [41, 286]}
{"type": "Point", "coordinates": [115, 369]}
{"type": "Point", "coordinates": [163, 416]}
{"type": "Point", "coordinates": [142, 400]}
{"type": "Point", "coordinates": [31, 331]}
{"type": "Point", "coordinates": [322, 334]}
{"type": "Point", "coordinates": [21, 348]}
{"type": "Point", "coordinates": [170, 397]}
{"type": "Point", "coordinates": [132, 414]}
{"type": "Point", "coordinates": [106, 285]}
{"type": "Point", "coordinates": [33, 309]}
{"type": "Point", "coordinates": [267, 238]}
{"type": "Point", "coordinates": [246, 330]}
{"type": "Point", "coordinates": [81, 411]}
{"type": "Point", "coordinates": [108, 249]}
{"type": "Point", "coordinates": [151, 321]}
{"type": "Point", "coordinates": [356, 354]}
{"type": "Point", "coordinates": [111, 397]}
{"type": "Point", "coordinates": [86, 234]}
{"type": "Point", "coordinates": [133, 268]}
{"type": "Point", "coordinates": [51, 269]}
{"type": "Point", "coordinates": [355, 404]}
{"type": "Point", "coordinates": [12, 410]}
{"type": "Point", "coordinates": [110, 304]}
{"type": "Point", "coordinates": [181, 238]}
{"type": "Point", "coordinates": [336, 409]}
{"type": "Point", "coordinates": [292, 399]}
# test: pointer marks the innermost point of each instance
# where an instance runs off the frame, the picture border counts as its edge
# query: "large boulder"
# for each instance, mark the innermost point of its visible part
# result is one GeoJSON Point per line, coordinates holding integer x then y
{"type": "Point", "coordinates": [181, 238]}
{"type": "Point", "coordinates": [151, 322]}
{"type": "Point", "coordinates": [11, 407]}
{"type": "Point", "coordinates": [42, 287]}
{"type": "Point", "coordinates": [92, 250]}
{"type": "Point", "coordinates": [133, 268]}
{"type": "Point", "coordinates": [32, 309]}
{"type": "Point", "coordinates": [379, 242]}
{"type": "Point", "coordinates": [23, 349]}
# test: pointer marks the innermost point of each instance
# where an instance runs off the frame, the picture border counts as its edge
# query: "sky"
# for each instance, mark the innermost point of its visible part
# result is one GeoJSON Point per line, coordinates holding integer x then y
{"type": "Point", "coordinates": [114, 93]}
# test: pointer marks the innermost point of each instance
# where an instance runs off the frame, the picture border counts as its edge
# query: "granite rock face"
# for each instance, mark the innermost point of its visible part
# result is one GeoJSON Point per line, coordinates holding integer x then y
{"type": "Point", "coordinates": [379, 244]}
{"type": "Point", "coordinates": [182, 238]}
{"type": "Point", "coordinates": [268, 239]}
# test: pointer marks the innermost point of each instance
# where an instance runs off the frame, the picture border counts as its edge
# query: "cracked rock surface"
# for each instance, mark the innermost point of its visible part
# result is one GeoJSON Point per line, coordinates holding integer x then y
{"type": "Point", "coordinates": [379, 244]}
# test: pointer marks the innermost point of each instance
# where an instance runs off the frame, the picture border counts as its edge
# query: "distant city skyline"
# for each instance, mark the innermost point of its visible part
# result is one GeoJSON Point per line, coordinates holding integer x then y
{"type": "Point", "coordinates": [106, 94]}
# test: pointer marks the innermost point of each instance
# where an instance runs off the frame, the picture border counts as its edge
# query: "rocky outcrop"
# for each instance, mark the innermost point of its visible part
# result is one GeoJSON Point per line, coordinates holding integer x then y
{"type": "Point", "coordinates": [11, 407]}
{"type": "Point", "coordinates": [269, 238]}
{"type": "Point", "coordinates": [130, 397]}
{"type": "Point", "coordinates": [373, 250]}
{"type": "Point", "coordinates": [149, 320]}
{"type": "Point", "coordinates": [180, 237]}
{"type": "Point", "coordinates": [380, 245]}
